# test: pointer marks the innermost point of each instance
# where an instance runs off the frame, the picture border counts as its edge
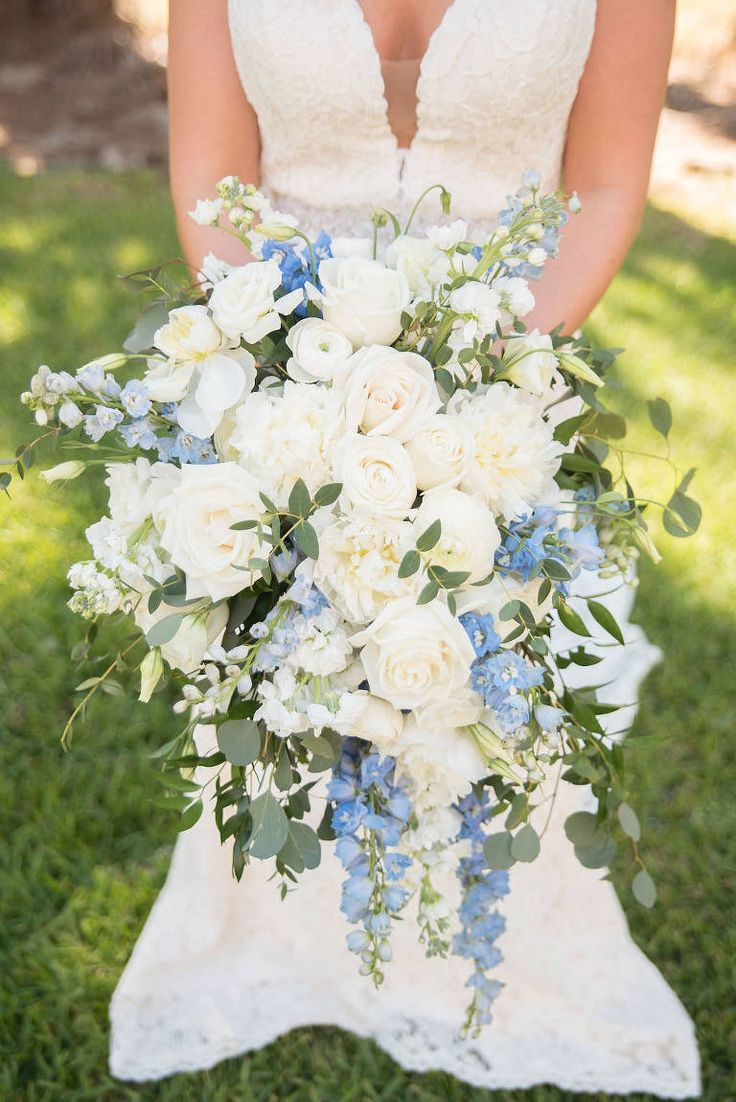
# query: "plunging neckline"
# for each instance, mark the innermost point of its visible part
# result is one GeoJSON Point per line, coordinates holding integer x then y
{"type": "Point", "coordinates": [403, 152]}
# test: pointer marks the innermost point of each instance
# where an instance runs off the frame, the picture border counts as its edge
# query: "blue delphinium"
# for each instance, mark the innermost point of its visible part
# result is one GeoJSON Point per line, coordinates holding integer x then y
{"type": "Point", "coordinates": [482, 888]}
{"type": "Point", "coordinates": [134, 398]}
{"type": "Point", "coordinates": [293, 260]}
{"type": "Point", "coordinates": [503, 680]}
{"type": "Point", "coordinates": [371, 811]}
{"type": "Point", "coordinates": [480, 631]}
{"type": "Point", "coordinates": [102, 421]}
{"type": "Point", "coordinates": [186, 448]}
{"type": "Point", "coordinates": [139, 433]}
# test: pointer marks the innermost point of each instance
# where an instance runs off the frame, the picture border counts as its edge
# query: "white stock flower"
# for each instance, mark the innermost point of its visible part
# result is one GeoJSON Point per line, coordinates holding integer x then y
{"type": "Point", "coordinates": [318, 349]}
{"type": "Point", "coordinates": [415, 655]}
{"type": "Point", "coordinates": [448, 237]}
{"type": "Point", "coordinates": [358, 565]}
{"type": "Point", "coordinates": [363, 298]}
{"type": "Point", "coordinates": [243, 303]}
{"type": "Point", "coordinates": [196, 633]}
{"type": "Point", "coordinates": [376, 475]}
{"type": "Point", "coordinates": [197, 530]}
{"type": "Point", "coordinates": [422, 264]}
{"type": "Point", "coordinates": [440, 762]}
{"type": "Point", "coordinates": [284, 435]}
{"type": "Point", "coordinates": [479, 307]}
{"type": "Point", "coordinates": [323, 647]}
{"type": "Point", "coordinates": [469, 537]}
{"type": "Point", "coordinates": [516, 298]}
{"type": "Point", "coordinates": [436, 826]}
{"type": "Point", "coordinates": [516, 457]}
{"type": "Point", "coordinates": [387, 392]}
{"type": "Point", "coordinates": [109, 545]}
{"type": "Point", "coordinates": [214, 269]}
{"type": "Point", "coordinates": [206, 212]}
{"type": "Point", "coordinates": [440, 451]}
{"type": "Point", "coordinates": [530, 362]}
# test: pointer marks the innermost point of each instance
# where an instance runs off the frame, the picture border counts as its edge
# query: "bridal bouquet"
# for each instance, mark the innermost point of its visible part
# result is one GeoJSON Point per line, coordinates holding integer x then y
{"type": "Point", "coordinates": [349, 496]}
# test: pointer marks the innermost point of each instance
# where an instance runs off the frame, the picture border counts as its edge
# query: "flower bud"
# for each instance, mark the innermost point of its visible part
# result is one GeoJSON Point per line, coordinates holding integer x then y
{"type": "Point", "coordinates": [64, 472]}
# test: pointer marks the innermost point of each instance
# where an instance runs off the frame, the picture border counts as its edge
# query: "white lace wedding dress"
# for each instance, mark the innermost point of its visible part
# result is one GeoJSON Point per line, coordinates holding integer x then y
{"type": "Point", "coordinates": [222, 968]}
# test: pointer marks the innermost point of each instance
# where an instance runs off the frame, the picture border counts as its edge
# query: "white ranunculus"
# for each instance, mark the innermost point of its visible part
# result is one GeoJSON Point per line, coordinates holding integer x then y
{"type": "Point", "coordinates": [318, 350]}
{"type": "Point", "coordinates": [189, 334]}
{"type": "Point", "coordinates": [440, 762]}
{"type": "Point", "coordinates": [515, 457]}
{"type": "Point", "coordinates": [195, 635]}
{"type": "Point", "coordinates": [530, 362]}
{"type": "Point", "coordinates": [517, 299]}
{"type": "Point", "coordinates": [415, 655]}
{"type": "Point", "coordinates": [376, 475]}
{"type": "Point", "coordinates": [358, 565]}
{"type": "Point", "coordinates": [378, 722]}
{"type": "Point", "coordinates": [243, 303]}
{"type": "Point", "coordinates": [420, 261]}
{"type": "Point", "coordinates": [448, 237]}
{"type": "Point", "coordinates": [218, 383]}
{"type": "Point", "coordinates": [479, 307]}
{"type": "Point", "coordinates": [284, 435]}
{"type": "Point", "coordinates": [197, 530]}
{"type": "Point", "coordinates": [440, 451]}
{"type": "Point", "coordinates": [469, 537]}
{"type": "Point", "coordinates": [363, 298]}
{"type": "Point", "coordinates": [387, 392]}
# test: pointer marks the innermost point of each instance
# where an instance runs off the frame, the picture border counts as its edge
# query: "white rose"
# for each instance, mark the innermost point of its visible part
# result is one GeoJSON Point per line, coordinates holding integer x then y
{"type": "Point", "coordinates": [189, 334]}
{"type": "Point", "coordinates": [358, 565]}
{"type": "Point", "coordinates": [530, 362]}
{"type": "Point", "coordinates": [197, 530]}
{"type": "Point", "coordinates": [318, 349]}
{"type": "Point", "coordinates": [469, 537]}
{"type": "Point", "coordinates": [516, 298]}
{"type": "Point", "coordinates": [440, 451]}
{"type": "Point", "coordinates": [195, 635]}
{"type": "Point", "coordinates": [363, 298]}
{"type": "Point", "coordinates": [415, 655]}
{"type": "Point", "coordinates": [479, 307]}
{"type": "Point", "coordinates": [284, 435]}
{"type": "Point", "coordinates": [515, 455]}
{"type": "Point", "coordinates": [243, 303]}
{"type": "Point", "coordinates": [440, 762]}
{"type": "Point", "coordinates": [421, 262]}
{"type": "Point", "coordinates": [376, 475]}
{"type": "Point", "coordinates": [377, 722]}
{"type": "Point", "coordinates": [387, 392]}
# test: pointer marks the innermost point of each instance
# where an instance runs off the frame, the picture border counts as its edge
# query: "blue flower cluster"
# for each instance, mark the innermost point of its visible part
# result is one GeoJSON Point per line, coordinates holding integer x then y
{"type": "Point", "coordinates": [482, 888]}
{"type": "Point", "coordinates": [371, 812]}
{"type": "Point", "coordinates": [537, 537]}
{"type": "Point", "coordinates": [303, 602]}
{"type": "Point", "coordinates": [293, 260]}
{"type": "Point", "coordinates": [504, 680]}
{"type": "Point", "coordinates": [550, 239]}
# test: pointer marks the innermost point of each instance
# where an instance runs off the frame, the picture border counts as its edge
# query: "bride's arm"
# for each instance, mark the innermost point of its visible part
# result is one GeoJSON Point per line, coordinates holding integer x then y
{"type": "Point", "coordinates": [608, 155]}
{"type": "Point", "coordinates": [213, 131]}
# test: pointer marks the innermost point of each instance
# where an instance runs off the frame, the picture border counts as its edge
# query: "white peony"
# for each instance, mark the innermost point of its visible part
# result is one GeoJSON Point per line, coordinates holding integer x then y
{"type": "Point", "coordinates": [469, 537]}
{"type": "Point", "coordinates": [358, 565]}
{"type": "Point", "coordinates": [363, 298]}
{"type": "Point", "coordinates": [376, 475]}
{"type": "Point", "coordinates": [515, 457]}
{"type": "Point", "coordinates": [387, 392]}
{"type": "Point", "coordinates": [440, 762]}
{"type": "Point", "coordinates": [284, 435]}
{"type": "Point", "coordinates": [318, 350]}
{"type": "Point", "coordinates": [440, 451]}
{"type": "Point", "coordinates": [243, 303]}
{"type": "Point", "coordinates": [479, 307]}
{"type": "Point", "coordinates": [195, 635]}
{"type": "Point", "coordinates": [197, 530]}
{"type": "Point", "coordinates": [422, 264]}
{"type": "Point", "coordinates": [415, 655]}
{"type": "Point", "coordinates": [530, 362]}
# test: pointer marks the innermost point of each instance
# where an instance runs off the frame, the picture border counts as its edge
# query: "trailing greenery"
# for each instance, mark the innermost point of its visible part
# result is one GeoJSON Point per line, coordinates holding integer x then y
{"type": "Point", "coordinates": [85, 851]}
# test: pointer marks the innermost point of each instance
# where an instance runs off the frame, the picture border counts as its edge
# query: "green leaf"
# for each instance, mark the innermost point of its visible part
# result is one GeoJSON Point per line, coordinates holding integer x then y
{"type": "Point", "coordinates": [244, 525]}
{"type": "Point", "coordinates": [239, 740]}
{"type": "Point", "coordinates": [525, 844]}
{"type": "Point", "coordinates": [163, 631]}
{"type": "Point", "coordinates": [299, 499]}
{"type": "Point", "coordinates": [328, 494]}
{"type": "Point", "coordinates": [306, 539]}
{"type": "Point", "coordinates": [319, 746]}
{"type": "Point", "coordinates": [509, 611]}
{"type": "Point", "coordinates": [429, 593]}
{"type": "Point", "coordinates": [192, 815]}
{"type": "Point", "coordinates": [301, 849]}
{"type": "Point", "coordinates": [574, 461]}
{"type": "Point", "coordinates": [519, 811]}
{"type": "Point", "coordinates": [140, 338]}
{"type": "Point", "coordinates": [687, 510]}
{"type": "Point", "coordinates": [644, 889]}
{"type": "Point", "coordinates": [497, 850]}
{"type": "Point", "coordinates": [606, 619]}
{"type": "Point", "coordinates": [570, 618]}
{"type": "Point", "coordinates": [429, 537]}
{"type": "Point", "coordinates": [629, 821]}
{"type": "Point", "coordinates": [409, 564]}
{"type": "Point", "coordinates": [581, 828]}
{"type": "Point", "coordinates": [660, 415]}
{"type": "Point", "coordinates": [270, 826]}
{"type": "Point", "coordinates": [282, 774]}
{"type": "Point", "coordinates": [567, 429]}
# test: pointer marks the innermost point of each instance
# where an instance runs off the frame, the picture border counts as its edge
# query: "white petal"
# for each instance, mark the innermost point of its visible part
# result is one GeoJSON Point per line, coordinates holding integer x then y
{"type": "Point", "coordinates": [290, 301]}
{"type": "Point", "coordinates": [193, 419]}
{"type": "Point", "coordinates": [221, 383]}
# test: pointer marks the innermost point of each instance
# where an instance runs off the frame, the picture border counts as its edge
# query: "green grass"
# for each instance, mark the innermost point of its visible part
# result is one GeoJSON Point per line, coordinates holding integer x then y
{"type": "Point", "coordinates": [83, 854]}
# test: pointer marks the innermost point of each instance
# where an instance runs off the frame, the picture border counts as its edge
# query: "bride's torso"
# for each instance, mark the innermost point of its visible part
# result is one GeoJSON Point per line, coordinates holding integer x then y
{"type": "Point", "coordinates": [493, 97]}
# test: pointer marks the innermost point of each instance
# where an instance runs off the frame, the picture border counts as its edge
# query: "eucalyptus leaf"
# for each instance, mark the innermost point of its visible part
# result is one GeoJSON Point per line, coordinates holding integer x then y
{"type": "Point", "coordinates": [302, 848]}
{"type": "Point", "coordinates": [239, 740]}
{"type": "Point", "coordinates": [497, 850]}
{"type": "Point", "coordinates": [164, 630]}
{"type": "Point", "coordinates": [571, 619]}
{"type": "Point", "coordinates": [192, 815]}
{"type": "Point", "coordinates": [644, 889]}
{"type": "Point", "coordinates": [629, 821]}
{"type": "Point", "coordinates": [409, 564]}
{"type": "Point", "coordinates": [660, 415]}
{"type": "Point", "coordinates": [525, 844]}
{"type": "Point", "coordinates": [270, 826]}
{"type": "Point", "coordinates": [430, 536]}
{"type": "Point", "coordinates": [306, 539]}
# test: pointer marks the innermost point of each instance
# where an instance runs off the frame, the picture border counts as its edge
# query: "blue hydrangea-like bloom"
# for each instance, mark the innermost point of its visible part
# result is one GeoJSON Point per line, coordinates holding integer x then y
{"type": "Point", "coordinates": [134, 398]}
{"type": "Point", "coordinates": [102, 421]}
{"type": "Point", "coordinates": [371, 811]}
{"type": "Point", "coordinates": [139, 433]}
{"type": "Point", "coordinates": [481, 925]}
{"type": "Point", "coordinates": [480, 631]}
{"type": "Point", "coordinates": [503, 680]}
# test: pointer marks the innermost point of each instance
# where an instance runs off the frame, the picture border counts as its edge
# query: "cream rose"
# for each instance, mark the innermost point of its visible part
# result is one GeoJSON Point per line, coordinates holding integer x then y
{"type": "Point", "coordinates": [469, 537]}
{"type": "Point", "coordinates": [377, 722]}
{"type": "Point", "coordinates": [530, 362]}
{"type": "Point", "coordinates": [440, 451]}
{"type": "Point", "coordinates": [197, 530]}
{"type": "Point", "coordinates": [440, 762]}
{"type": "Point", "coordinates": [415, 655]}
{"type": "Point", "coordinates": [387, 392]}
{"type": "Point", "coordinates": [376, 475]}
{"type": "Point", "coordinates": [243, 303]}
{"type": "Point", "coordinates": [363, 298]}
{"type": "Point", "coordinates": [318, 350]}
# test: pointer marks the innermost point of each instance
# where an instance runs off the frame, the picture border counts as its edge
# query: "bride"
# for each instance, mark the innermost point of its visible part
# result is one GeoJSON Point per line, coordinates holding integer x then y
{"type": "Point", "coordinates": [344, 105]}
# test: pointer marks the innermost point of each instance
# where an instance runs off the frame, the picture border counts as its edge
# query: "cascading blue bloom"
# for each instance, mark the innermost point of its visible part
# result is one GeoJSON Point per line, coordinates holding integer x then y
{"type": "Point", "coordinates": [481, 925]}
{"type": "Point", "coordinates": [371, 812]}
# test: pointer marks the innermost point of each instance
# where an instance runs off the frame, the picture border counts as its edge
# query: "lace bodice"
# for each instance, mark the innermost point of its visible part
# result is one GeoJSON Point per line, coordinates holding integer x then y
{"type": "Point", "coordinates": [495, 90]}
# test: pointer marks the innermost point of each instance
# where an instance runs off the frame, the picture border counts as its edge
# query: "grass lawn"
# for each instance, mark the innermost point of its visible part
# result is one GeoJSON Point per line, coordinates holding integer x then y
{"type": "Point", "coordinates": [84, 854]}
